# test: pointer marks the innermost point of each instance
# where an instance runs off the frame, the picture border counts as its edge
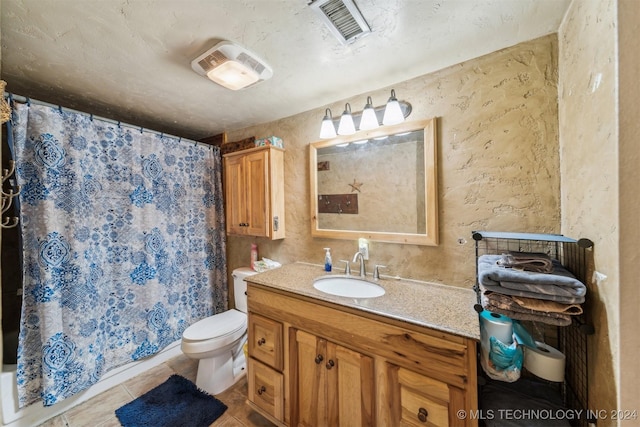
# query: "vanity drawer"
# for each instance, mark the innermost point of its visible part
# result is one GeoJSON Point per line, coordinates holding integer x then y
{"type": "Point", "coordinates": [419, 400]}
{"type": "Point", "coordinates": [265, 341]}
{"type": "Point", "coordinates": [266, 389]}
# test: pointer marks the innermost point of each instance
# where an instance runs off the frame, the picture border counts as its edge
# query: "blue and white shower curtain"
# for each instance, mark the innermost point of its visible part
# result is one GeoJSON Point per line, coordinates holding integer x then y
{"type": "Point", "coordinates": [124, 246]}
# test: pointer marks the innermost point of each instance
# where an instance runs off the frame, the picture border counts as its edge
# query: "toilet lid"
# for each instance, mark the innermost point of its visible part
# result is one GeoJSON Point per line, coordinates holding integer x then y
{"type": "Point", "coordinates": [215, 326]}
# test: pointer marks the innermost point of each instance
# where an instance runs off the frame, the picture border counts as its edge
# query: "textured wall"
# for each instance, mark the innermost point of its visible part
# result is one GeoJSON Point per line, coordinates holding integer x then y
{"type": "Point", "coordinates": [589, 153]}
{"type": "Point", "coordinates": [628, 22]}
{"type": "Point", "coordinates": [498, 163]}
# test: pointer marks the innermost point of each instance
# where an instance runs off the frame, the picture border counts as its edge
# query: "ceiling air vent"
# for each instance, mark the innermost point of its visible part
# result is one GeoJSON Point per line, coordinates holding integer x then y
{"type": "Point", "coordinates": [343, 19]}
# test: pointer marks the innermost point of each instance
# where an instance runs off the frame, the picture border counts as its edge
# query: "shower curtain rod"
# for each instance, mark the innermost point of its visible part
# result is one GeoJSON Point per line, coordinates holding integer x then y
{"type": "Point", "coordinates": [25, 100]}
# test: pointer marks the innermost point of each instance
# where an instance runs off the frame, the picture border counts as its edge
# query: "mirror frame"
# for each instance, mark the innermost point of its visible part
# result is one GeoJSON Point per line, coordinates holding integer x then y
{"type": "Point", "coordinates": [431, 186]}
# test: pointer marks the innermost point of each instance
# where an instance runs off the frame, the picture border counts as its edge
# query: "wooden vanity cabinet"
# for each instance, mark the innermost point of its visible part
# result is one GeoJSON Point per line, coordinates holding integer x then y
{"type": "Point", "coordinates": [346, 367]}
{"type": "Point", "coordinates": [254, 192]}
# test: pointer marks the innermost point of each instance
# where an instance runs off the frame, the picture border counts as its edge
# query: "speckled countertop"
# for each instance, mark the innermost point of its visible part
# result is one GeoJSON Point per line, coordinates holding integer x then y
{"type": "Point", "coordinates": [440, 307]}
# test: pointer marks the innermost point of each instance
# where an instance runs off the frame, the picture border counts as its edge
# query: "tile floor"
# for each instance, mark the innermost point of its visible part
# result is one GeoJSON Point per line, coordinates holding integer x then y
{"type": "Point", "coordinates": [100, 410]}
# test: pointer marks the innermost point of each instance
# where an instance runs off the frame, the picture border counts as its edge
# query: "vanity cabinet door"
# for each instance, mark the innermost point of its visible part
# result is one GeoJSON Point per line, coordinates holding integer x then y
{"type": "Point", "coordinates": [254, 192]}
{"type": "Point", "coordinates": [418, 400]}
{"type": "Point", "coordinates": [335, 384]}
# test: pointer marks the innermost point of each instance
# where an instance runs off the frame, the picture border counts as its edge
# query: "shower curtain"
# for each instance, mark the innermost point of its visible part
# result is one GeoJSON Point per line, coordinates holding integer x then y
{"type": "Point", "coordinates": [124, 246]}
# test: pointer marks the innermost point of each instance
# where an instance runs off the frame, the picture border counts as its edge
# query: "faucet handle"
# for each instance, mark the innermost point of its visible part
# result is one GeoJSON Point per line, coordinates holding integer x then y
{"type": "Point", "coordinates": [376, 271]}
{"type": "Point", "coordinates": [347, 268]}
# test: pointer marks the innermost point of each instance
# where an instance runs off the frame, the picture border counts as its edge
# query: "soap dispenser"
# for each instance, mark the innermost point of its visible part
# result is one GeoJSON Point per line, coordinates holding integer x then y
{"type": "Point", "coordinates": [327, 259]}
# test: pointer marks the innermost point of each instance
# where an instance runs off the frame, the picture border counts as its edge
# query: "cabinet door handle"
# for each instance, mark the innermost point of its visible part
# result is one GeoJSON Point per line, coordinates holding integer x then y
{"type": "Point", "coordinates": [422, 415]}
{"type": "Point", "coordinates": [330, 364]}
{"type": "Point", "coordinates": [262, 390]}
{"type": "Point", "coordinates": [261, 341]}
{"type": "Point", "coordinates": [319, 359]}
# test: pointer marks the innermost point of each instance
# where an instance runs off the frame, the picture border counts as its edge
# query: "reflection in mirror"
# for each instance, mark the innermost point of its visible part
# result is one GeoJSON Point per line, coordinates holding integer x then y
{"type": "Point", "coordinates": [380, 185]}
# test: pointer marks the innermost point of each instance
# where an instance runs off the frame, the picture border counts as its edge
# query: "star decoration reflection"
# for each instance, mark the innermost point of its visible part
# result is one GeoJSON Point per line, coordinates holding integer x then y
{"type": "Point", "coordinates": [355, 186]}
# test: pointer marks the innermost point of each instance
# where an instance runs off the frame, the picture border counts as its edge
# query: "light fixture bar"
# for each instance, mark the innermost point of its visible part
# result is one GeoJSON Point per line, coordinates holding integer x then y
{"type": "Point", "coordinates": [393, 112]}
{"type": "Point", "coordinates": [405, 107]}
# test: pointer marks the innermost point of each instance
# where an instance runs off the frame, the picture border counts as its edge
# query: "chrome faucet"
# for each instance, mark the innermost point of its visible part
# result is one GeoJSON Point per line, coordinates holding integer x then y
{"type": "Point", "coordinates": [363, 272]}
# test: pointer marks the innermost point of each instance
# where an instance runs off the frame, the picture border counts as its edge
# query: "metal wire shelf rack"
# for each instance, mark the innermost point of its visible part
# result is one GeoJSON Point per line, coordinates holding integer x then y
{"type": "Point", "coordinates": [577, 257]}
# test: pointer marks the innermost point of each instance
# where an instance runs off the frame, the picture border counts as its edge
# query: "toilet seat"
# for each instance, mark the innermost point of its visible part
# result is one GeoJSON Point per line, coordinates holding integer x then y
{"type": "Point", "coordinates": [214, 331]}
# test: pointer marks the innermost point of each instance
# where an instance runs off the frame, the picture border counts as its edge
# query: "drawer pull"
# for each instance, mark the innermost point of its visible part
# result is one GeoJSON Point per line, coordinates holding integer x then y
{"type": "Point", "coordinates": [422, 415]}
{"type": "Point", "coordinates": [262, 390]}
{"type": "Point", "coordinates": [330, 364]}
{"type": "Point", "coordinates": [319, 359]}
{"type": "Point", "coordinates": [261, 341]}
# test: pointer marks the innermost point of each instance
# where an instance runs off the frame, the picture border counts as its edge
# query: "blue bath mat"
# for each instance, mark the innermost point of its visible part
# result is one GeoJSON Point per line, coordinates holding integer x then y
{"type": "Point", "coordinates": [175, 403]}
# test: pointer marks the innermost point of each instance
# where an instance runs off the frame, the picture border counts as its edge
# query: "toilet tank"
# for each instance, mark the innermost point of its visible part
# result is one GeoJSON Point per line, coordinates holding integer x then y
{"type": "Point", "coordinates": [240, 287]}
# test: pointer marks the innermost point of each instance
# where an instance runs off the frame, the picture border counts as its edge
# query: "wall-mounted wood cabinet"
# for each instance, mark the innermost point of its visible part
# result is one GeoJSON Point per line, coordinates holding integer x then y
{"type": "Point", "coordinates": [312, 363]}
{"type": "Point", "coordinates": [254, 192]}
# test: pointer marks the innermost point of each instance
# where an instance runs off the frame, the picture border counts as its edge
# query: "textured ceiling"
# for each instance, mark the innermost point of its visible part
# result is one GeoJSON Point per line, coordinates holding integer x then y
{"type": "Point", "coordinates": [129, 60]}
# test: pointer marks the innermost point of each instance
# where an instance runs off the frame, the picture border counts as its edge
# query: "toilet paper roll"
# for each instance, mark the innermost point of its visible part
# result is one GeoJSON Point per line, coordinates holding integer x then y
{"type": "Point", "coordinates": [495, 325]}
{"type": "Point", "coordinates": [545, 362]}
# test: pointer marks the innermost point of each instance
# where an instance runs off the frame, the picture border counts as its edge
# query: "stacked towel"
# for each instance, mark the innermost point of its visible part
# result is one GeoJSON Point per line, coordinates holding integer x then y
{"type": "Point", "coordinates": [510, 287]}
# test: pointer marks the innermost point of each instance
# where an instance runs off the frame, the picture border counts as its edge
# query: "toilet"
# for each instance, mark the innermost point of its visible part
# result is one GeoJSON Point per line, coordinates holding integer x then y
{"type": "Point", "coordinates": [217, 341]}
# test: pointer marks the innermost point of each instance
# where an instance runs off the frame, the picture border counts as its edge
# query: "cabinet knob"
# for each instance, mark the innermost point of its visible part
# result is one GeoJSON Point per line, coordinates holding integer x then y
{"type": "Point", "coordinates": [330, 364]}
{"type": "Point", "coordinates": [422, 415]}
{"type": "Point", "coordinates": [261, 341]}
{"type": "Point", "coordinates": [319, 359]}
{"type": "Point", "coordinates": [262, 390]}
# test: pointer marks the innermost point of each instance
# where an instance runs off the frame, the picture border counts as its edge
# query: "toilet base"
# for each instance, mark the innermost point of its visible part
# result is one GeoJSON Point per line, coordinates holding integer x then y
{"type": "Point", "coordinates": [217, 374]}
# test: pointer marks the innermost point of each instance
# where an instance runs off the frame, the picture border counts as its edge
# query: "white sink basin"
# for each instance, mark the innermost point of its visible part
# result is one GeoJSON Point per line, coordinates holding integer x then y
{"type": "Point", "coordinates": [351, 287]}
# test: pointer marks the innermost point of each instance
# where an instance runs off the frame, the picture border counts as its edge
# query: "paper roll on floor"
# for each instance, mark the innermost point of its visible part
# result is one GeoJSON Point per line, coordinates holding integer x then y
{"type": "Point", "coordinates": [545, 362]}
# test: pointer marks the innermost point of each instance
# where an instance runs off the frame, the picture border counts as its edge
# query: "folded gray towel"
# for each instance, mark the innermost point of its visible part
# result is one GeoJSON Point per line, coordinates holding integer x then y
{"type": "Point", "coordinates": [560, 286]}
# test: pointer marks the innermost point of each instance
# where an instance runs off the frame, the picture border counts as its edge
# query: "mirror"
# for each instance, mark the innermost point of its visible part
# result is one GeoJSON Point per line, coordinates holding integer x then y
{"type": "Point", "coordinates": [378, 185]}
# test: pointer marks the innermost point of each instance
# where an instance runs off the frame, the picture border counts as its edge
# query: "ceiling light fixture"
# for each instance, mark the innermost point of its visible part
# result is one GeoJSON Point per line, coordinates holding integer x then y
{"type": "Point", "coordinates": [232, 66]}
{"type": "Point", "coordinates": [346, 126]}
{"type": "Point", "coordinates": [370, 118]}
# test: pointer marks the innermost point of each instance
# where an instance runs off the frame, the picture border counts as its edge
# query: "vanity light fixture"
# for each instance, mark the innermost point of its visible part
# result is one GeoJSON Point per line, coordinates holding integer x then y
{"type": "Point", "coordinates": [392, 112]}
{"type": "Point", "coordinates": [346, 126]}
{"type": "Point", "coordinates": [369, 120]}
{"type": "Point", "coordinates": [362, 141]}
{"type": "Point", "coordinates": [328, 129]}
